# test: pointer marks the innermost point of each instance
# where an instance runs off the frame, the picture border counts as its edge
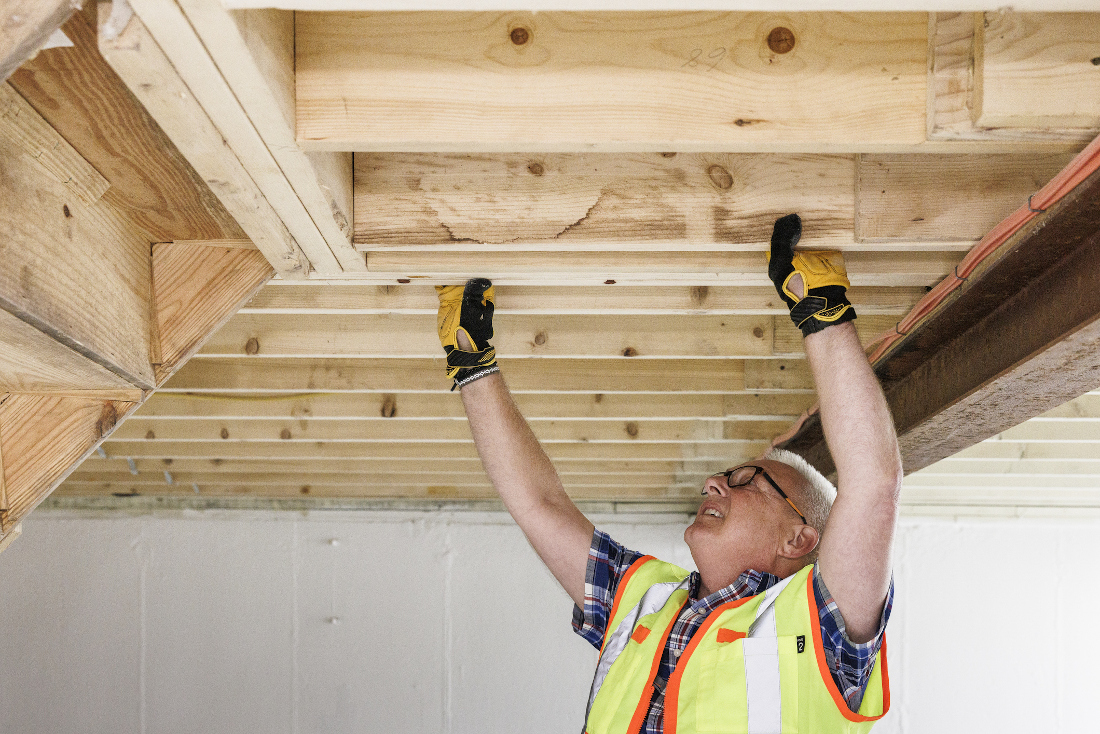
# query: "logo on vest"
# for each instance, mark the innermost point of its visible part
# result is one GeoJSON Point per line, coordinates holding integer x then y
{"type": "Point", "coordinates": [800, 641]}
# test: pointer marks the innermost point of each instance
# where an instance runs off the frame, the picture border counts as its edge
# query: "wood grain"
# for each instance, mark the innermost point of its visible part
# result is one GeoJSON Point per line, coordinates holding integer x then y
{"type": "Point", "coordinates": [24, 126]}
{"type": "Point", "coordinates": [78, 93]}
{"type": "Point", "coordinates": [626, 81]}
{"type": "Point", "coordinates": [196, 289]}
{"type": "Point", "coordinates": [944, 197]}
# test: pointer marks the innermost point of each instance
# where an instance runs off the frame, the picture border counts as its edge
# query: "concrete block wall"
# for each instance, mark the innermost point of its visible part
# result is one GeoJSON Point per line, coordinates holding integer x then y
{"type": "Point", "coordinates": [402, 622]}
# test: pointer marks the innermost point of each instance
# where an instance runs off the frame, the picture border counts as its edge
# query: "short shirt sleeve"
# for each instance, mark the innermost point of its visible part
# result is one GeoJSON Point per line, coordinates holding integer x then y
{"type": "Point", "coordinates": [851, 663]}
{"type": "Point", "coordinates": [607, 562]}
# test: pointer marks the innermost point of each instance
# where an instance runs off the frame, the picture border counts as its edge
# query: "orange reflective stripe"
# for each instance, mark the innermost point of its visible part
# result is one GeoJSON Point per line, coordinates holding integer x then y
{"type": "Point", "coordinates": [619, 590]}
{"type": "Point", "coordinates": [640, 634]}
{"type": "Point", "coordinates": [638, 719]}
{"type": "Point", "coordinates": [725, 634]}
{"type": "Point", "coordinates": [672, 693]}
{"type": "Point", "coordinates": [826, 674]}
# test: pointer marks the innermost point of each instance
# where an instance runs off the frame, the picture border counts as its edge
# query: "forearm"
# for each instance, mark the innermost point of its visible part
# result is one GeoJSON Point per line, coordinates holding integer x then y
{"type": "Point", "coordinates": [526, 481]}
{"type": "Point", "coordinates": [854, 414]}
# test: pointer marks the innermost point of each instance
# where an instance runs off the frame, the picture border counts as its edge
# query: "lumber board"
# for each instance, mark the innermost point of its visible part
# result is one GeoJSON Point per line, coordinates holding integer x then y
{"type": "Point", "coordinates": [1036, 70]}
{"type": "Point", "coordinates": [730, 267]}
{"type": "Point", "coordinates": [287, 297]}
{"type": "Point", "coordinates": [383, 406]}
{"type": "Point", "coordinates": [608, 81]}
{"type": "Point", "coordinates": [1000, 467]}
{"type": "Point", "coordinates": [3, 485]}
{"type": "Point", "coordinates": [731, 451]}
{"type": "Point", "coordinates": [274, 375]}
{"type": "Point", "coordinates": [196, 289]}
{"type": "Point", "coordinates": [773, 5]}
{"type": "Point", "coordinates": [944, 197]}
{"type": "Point", "coordinates": [44, 437]}
{"type": "Point", "coordinates": [23, 125]}
{"type": "Point", "coordinates": [1031, 452]}
{"type": "Point", "coordinates": [443, 431]}
{"type": "Point", "coordinates": [399, 335]}
{"type": "Point", "coordinates": [254, 51]}
{"type": "Point", "coordinates": [137, 58]}
{"type": "Point", "coordinates": [64, 264]}
{"type": "Point", "coordinates": [1086, 406]}
{"type": "Point", "coordinates": [32, 361]}
{"type": "Point", "coordinates": [952, 104]}
{"type": "Point", "coordinates": [6, 539]}
{"type": "Point", "coordinates": [81, 97]}
{"type": "Point", "coordinates": [24, 27]}
{"type": "Point", "coordinates": [166, 24]}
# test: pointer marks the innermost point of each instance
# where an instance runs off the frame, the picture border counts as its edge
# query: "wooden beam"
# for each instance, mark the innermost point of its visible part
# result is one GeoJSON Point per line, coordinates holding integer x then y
{"type": "Point", "coordinates": [770, 5]}
{"type": "Point", "coordinates": [609, 81]}
{"type": "Point", "coordinates": [196, 289]}
{"type": "Point", "coordinates": [1022, 336]}
{"type": "Point", "coordinates": [24, 27]}
{"type": "Point", "coordinates": [24, 126]}
{"type": "Point", "coordinates": [137, 58]}
{"type": "Point", "coordinates": [254, 51]}
{"type": "Point", "coordinates": [1035, 70]}
{"type": "Point", "coordinates": [6, 539]}
{"type": "Point", "coordinates": [943, 197]}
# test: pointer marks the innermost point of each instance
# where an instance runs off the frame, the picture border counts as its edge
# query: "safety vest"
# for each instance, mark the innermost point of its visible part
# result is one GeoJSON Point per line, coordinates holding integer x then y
{"type": "Point", "coordinates": [755, 666]}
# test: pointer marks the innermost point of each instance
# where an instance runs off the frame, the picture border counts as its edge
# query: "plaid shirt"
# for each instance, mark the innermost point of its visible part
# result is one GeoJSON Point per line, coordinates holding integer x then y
{"type": "Point", "coordinates": [849, 662]}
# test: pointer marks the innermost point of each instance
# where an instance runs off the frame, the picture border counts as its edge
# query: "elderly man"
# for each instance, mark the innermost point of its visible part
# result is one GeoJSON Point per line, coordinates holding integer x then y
{"type": "Point", "coordinates": [781, 628]}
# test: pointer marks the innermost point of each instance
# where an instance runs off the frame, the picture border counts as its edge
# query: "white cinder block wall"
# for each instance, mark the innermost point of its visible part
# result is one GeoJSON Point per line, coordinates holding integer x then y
{"type": "Point", "coordinates": [336, 622]}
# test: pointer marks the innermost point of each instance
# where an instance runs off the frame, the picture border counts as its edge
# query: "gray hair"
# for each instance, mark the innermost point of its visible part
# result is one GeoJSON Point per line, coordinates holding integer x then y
{"type": "Point", "coordinates": [819, 500]}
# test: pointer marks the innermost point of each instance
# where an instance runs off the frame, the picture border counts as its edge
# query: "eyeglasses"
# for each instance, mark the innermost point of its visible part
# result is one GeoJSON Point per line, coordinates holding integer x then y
{"type": "Point", "coordinates": [743, 475]}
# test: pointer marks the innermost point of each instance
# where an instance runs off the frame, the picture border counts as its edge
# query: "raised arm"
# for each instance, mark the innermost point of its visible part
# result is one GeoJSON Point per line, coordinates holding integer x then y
{"type": "Point", "coordinates": [855, 550]}
{"type": "Point", "coordinates": [517, 466]}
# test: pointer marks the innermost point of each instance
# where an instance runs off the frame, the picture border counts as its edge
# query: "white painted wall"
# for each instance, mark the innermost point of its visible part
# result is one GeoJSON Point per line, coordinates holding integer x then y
{"type": "Point", "coordinates": [219, 622]}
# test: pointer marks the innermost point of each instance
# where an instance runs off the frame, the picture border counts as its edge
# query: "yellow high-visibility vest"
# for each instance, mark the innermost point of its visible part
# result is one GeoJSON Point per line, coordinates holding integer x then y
{"type": "Point", "coordinates": [755, 666]}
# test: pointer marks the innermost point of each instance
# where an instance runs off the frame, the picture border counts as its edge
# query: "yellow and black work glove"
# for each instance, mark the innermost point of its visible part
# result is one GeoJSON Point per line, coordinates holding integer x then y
{"type": "Point", "coordinates": [824, 280]}
{"type": "Point", "coordinates": [468, 309]}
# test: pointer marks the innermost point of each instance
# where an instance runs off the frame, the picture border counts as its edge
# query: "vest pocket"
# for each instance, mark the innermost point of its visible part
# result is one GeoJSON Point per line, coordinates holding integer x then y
{"type": "Point", "coordinates": [747, 686]}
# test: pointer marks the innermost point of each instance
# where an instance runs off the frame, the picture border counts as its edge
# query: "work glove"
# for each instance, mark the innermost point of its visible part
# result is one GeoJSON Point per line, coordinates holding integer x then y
{"type": "Point", "coordinates": [823, 277]}
{"type": "Point", "coordinates": [467, 309]}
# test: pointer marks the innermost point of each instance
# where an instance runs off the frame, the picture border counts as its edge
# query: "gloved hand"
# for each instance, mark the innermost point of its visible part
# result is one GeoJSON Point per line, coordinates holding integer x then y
{"type": "Point", "coordinates": [824, 279]}
{"type": "Point", "coordinates": [467, 309]}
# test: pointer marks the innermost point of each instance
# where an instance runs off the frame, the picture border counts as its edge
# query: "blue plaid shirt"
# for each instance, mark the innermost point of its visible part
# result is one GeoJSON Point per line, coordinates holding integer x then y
{"type": "Point", "coordinates": [851, 663]}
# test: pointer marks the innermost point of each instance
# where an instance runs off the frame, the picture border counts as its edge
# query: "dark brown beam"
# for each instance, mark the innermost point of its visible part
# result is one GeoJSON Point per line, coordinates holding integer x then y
{"type": "Point", "coordinates": [1020, 337]}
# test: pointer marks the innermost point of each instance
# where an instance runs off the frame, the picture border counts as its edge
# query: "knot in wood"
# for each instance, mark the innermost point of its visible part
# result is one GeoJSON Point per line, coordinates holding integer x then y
{"type": "Point", "coordinates": [252, 346]}
{"type": "Point", "coordinates": [535, 169]}
{"type": "Point", "coordinates": [285, 434]}
{"type": "Point", "coordinates": [630, 352]}
{"type": "Point", "coordinates": [150, 436]}
{"type": "Point", "coordinates": [781, 40]}
{"type": "Point", "coordinates": [540, 338]}
{"type": "Point", "coordinates": [720, 177]}
{"type": "Point", "coordinates": [699, 294]}
{"type": "Point", "coordinates": [758, 332]}
{"type": "Point", "coordinates": [632, 429]}
{"type": "Point", "coordinates": [520, 36]}
{"type": "Point", "coordinates": [225, 433]}
{"type": "Point", "coordinates": [304, 490]}
{"type": "Point", "coordinates": [668, 155]}
{"type": "Point", "coordinates": [389, 406]}
{"type": "Point", "coordinates": [609, 282]}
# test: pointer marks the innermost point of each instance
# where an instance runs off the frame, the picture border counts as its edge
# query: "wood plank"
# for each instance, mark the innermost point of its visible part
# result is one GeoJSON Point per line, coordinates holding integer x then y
{"type": "Point", "coordinates": [773, 5]}
{"type": "Point", "coordinates": [951, 94]}
{"type": "Point", "coordinates": [137, 58]}
{"type": "Point", "coordinates": [3, 485]}
{"type": "Point", "coordinates": [627, 81]}
{"type": "Point", "coordinates": [288, 297]}
{"type": "Point", "coordinates": [731, 267]}
{"type": "Point", "coordinates": [1029, 452]}
{"type": "Point", "coordinates": [78, 93]}
{"type": "Point", "coordinates": [943, 197]}
{"type": "Point", "coordinates": [1036, 70]}
{"type": "Point", "coordinates": [9, 537]}
{"type": "Point", "coordinates": [64, 263]}
{"type": "Point", "coordinates": [115, 465]}
{"type": "Point", "coordinates": [24, 27]}
{"type": "Point", "coordinates": [196, 289]}
{"type": "Point", "coordinates": [1086, 406]}
{"type": "Point", "coordinates": [24, 126]}
{"type": "Point", "coordinates": [685, 376]}
{"type": "Point", "coordinates": [151, 482]}
{"type": "Point", "coordinates": [381, 406]}
{"type": "Point", "coordinates": [32, 361]}
{"type": "Point", "coordinates": [44, 438]}
{"type": "Point", "coordinates": [722, 451]}
{"type": "Point", "coordinates": [175, 36]}
{"type": "Point", "coordinates": [415, 336]}
{"type": "Point", "coordinates": [254, 51]}
{"type": "Point", "coordinates": [445, 431]}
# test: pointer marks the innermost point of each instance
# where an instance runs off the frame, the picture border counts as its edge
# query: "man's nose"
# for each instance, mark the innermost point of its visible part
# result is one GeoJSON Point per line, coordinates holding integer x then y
{"type": "Point", "coordinates": [715, 485]}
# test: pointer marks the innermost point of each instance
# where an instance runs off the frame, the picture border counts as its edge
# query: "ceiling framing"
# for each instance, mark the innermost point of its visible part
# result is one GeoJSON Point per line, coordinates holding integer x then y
{"type": "Point", "coordinates": [616, 174]}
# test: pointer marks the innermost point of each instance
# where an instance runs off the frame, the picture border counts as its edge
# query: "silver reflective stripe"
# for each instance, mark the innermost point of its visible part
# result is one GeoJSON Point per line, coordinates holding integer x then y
{"type": "Point", "coordinates": [764, 696]}
{"type": "Point", "coordinates": [652, 601]}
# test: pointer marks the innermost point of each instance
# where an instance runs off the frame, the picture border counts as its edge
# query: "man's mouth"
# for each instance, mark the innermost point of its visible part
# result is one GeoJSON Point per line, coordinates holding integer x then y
{"type": "Point", "coordinates": [711, 511]}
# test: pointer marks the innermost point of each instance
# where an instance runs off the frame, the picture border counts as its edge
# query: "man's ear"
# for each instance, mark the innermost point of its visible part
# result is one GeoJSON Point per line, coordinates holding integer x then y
{"type": "Point", "coordinates": [800, 542]}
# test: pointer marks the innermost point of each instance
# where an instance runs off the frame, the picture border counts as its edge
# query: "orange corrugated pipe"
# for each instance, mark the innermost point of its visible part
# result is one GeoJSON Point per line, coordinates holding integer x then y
{"type": "Point", "coordinates": [1087, 161]}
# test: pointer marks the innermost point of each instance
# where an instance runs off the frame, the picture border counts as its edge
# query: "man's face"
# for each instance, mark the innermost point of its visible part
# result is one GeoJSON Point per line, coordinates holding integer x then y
{"type": "Point", "coordinates": [744, 526]}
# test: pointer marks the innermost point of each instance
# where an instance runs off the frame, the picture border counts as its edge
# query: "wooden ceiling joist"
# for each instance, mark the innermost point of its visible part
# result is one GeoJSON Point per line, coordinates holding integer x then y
{"type": "Point", "coordinates": [1020, 337]}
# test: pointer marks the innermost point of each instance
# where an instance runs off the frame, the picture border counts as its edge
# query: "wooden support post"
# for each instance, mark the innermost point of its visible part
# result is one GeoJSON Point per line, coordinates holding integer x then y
{"type": "Point", "coordinates": [24, 27]}
{"type": "Point", "coordinates": [1022, 336]}
{"type": "Point", "coordinates": [137, 58]}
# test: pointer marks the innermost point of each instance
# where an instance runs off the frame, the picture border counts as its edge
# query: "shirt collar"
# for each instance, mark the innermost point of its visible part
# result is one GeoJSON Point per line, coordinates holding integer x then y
{"type": "Point", "coordinates": [749, 583]}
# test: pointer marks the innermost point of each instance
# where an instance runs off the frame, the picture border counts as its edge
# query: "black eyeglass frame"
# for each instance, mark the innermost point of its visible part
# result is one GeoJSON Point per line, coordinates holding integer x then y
{"type": "Point", "coordinates": [758, 470]}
